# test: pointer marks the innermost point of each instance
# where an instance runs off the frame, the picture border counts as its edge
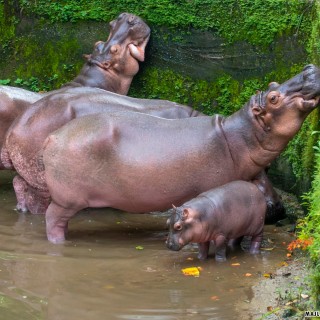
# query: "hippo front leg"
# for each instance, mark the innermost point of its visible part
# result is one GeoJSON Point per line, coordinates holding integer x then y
{"type": "Point", "coordinates": [20, 187]}
{"type": "Point", "coordinates": [221, 248]}
{"type": "Point", "coordinates": [57, 219]}
{"type": "Point", "coordinates": [203, 250]}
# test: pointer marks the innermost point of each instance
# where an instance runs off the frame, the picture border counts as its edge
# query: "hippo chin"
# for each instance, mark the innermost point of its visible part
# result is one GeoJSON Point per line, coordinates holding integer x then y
{"type": "Point", "coordinates": [231, 211]}
{"type": "Point", "coordinates": [140, 163]}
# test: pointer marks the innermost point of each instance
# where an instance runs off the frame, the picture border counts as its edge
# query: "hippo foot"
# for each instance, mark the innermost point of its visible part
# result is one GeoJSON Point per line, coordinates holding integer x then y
{"type": "Point", "coordinates": [220, 258]}
{"type": "Point", "coordinates": [255, 248]}
{"type": "Point", "coordinates": [56, 240]}
{"type": "Point", "coordinates": [21, 208]}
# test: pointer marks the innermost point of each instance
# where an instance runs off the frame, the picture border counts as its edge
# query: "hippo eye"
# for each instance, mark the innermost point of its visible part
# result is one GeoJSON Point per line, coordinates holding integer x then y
{"type": "Point", "coordinates": [274, 99]}
{"type": "Point", "coordinates": [177, 226]}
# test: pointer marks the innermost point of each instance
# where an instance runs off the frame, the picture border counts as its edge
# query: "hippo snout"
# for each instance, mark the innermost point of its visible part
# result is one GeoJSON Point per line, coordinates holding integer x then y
{"type": "Point", "coordinates": [172, 245]}
{"type": "Point", "coordinates": [311, 77]}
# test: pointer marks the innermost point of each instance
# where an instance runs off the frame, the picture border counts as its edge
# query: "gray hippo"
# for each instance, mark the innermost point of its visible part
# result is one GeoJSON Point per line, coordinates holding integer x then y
{"type": "Point", "coordinates": [233, 210]}
{"type": "Point", "coordinates": [111, 66]}
{"type": "Point", "coordinates": [141, 163]}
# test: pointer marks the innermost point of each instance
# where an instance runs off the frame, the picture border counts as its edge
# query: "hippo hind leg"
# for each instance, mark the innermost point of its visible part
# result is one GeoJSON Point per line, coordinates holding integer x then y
{"type": "Point", "coordinates": [256, 243]}
{"type": "Point", "coordinates": [57, 218]}
{"type": "Point", "coordinates": [37, 201]}
{"type": "Point", "coordinates": [20, 187]}
{"type": "Point", "coordinates": [221, 248]}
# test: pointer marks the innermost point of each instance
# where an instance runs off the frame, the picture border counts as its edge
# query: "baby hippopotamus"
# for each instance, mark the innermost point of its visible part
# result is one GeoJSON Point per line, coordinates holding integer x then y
{"type": "Point", "coordinates": [231, 211]}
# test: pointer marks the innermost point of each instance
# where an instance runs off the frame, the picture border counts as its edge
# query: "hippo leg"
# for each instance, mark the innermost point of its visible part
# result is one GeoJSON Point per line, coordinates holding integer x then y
{"type": "Point", "coordinates": [221, 248]}
{"type": "Point", "coordinates": [20, 187]}
{"type": "Point", "coordinates": [37, 201]}
{"type": "Point", "coordinates": [57, 219]}
{"type": "Point", "coordinates": [256, 243]}
{"type": "Point", "coordinates": [203, 250]}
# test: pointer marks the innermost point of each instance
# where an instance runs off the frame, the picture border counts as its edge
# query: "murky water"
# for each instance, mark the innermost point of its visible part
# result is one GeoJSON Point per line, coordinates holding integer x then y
{"type": "Point", "coordinates": [116, 266]}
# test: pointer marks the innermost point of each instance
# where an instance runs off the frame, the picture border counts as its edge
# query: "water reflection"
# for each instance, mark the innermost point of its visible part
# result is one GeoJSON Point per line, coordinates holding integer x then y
{"type": "Point", "coordinates": [100, 274]}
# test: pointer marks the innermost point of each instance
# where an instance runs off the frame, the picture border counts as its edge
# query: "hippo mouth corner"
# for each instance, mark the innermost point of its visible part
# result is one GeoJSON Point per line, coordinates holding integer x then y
{"type": "Point", "coordinates": [307, 104]}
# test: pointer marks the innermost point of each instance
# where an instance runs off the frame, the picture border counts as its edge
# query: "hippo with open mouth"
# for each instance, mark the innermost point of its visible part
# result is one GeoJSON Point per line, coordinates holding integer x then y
{"type": "Point", "coordinates": [141, 163]}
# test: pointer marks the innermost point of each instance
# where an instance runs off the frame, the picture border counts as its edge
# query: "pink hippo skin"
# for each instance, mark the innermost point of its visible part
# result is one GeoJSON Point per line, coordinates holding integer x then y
{"type": "Point", "coordinates": [111, 66]}
{"type": "Point", "coordinates": [141, 163]}
{"type": "Point", "coordinates": [231, 211]}
{"type": "Point", "coordinates": [13, 102]}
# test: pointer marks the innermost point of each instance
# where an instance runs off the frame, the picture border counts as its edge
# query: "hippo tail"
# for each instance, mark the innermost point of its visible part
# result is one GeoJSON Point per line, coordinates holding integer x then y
{"type": "Point", "coordinates": [5, 159]}
{"type": "Point", "coordinates": [40, 162]}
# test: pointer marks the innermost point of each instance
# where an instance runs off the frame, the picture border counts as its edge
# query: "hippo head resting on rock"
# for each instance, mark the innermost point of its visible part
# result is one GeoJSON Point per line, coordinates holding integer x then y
{"type": "Point", "coordinates": [113, 64]}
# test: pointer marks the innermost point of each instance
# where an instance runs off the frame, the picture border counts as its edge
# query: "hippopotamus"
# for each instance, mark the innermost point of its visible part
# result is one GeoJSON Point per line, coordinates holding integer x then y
{"type": "Point", "coordinates": [25, 137]}
{"type": "Point", "coordinates": [140, 163]}
{"type": "Point", "coordinates": [113, 64]}
{"type": "Point", "coordinates": [228, 212]}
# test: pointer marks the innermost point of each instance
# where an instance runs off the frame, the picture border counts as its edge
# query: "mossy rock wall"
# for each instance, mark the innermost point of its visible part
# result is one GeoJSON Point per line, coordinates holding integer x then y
{"type": "Point", "coordinates": [210, 54]}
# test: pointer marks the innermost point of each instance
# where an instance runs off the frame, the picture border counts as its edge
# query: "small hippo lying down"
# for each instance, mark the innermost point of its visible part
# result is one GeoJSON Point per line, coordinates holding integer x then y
{"type": "Point", "coordinates": [231, 211]}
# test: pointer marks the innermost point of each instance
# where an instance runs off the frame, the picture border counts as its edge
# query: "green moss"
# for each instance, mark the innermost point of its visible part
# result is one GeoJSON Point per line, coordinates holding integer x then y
{"type": "Point", "coordinates": [258, 22]}
{"type": "Point", "coordinates": [46, 67]}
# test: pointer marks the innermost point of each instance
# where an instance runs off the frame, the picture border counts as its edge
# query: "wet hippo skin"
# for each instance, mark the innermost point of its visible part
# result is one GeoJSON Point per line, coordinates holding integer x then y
{"type": "Point", "coordinates": [141, 163]}
{"type": "Point", "coordinates": [233, 210]}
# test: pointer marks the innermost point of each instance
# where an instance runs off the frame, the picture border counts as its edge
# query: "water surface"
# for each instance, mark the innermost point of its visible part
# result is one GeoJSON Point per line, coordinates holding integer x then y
{"type": "Point", "coordinates": [115, 265]}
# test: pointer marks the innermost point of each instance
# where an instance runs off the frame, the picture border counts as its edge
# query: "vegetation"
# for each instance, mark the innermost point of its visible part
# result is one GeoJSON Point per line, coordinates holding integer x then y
{"type": "Point", "coordinates": [259, 21]}
{"type": "Point", "coordinates": [32, 63]}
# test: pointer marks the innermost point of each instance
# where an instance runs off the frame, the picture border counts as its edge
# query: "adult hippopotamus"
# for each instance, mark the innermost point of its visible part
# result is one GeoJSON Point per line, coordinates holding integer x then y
{"type": "Point", "coordinates": [233, 210]}
{"type": "Point", "coordinates": [114, 63]}
{"type": "Point", "coordinates": [26, 136]}
{"type": "Point", "coordinates": [141, 163]}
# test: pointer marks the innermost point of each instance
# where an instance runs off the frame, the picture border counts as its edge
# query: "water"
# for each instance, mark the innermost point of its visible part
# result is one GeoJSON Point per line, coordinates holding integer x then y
{"type": "Point", "coordinates": [116, 266]}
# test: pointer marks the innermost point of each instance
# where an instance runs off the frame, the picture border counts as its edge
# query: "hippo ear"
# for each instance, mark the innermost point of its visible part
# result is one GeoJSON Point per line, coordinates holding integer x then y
{"type": "Point", "coordinates": [185, 213]}
{"type": "Point", "coordinates": [174, 207]}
